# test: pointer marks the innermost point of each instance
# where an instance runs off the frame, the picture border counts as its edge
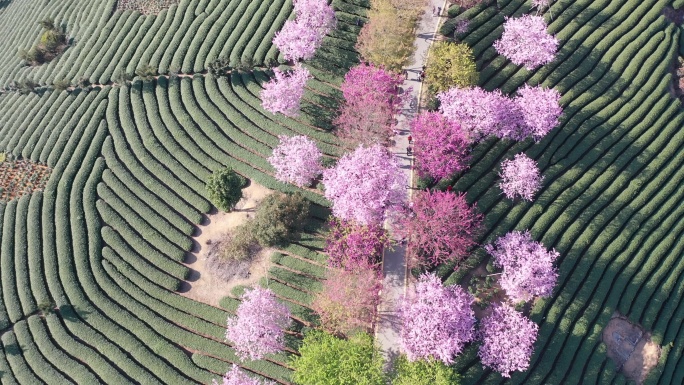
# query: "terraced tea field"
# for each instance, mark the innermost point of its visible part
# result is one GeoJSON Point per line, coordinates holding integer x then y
{"type": "Point", "coordinates": [91, 266]}
{"type": "Point", "coordinates": [105, 240]}
{"type": "Point", "coordinates": [612, 198]}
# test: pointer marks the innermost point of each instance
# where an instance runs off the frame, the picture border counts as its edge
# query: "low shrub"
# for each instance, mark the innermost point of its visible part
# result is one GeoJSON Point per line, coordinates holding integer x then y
{"type": "Point", "coordinates": [52, 42]}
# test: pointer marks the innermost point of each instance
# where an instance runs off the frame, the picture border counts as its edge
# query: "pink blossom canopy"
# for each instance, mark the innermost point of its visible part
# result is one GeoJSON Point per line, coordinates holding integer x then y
{"type": "Point", "coordinates": [441, 226]}
{"type": "Point", "coordinates": [482, 113]}
{"type": "Point", "coordinates": [371, 101]}
{"type": "Point", "coordinates": [296, 160]}
{"type": "Point", "coordinates": [528, 269]}
{"type": "Point", "coordinates": [441, 147]}
{"type": "Point", "coordinates": [299, 38]}
{"type": "Point", "coordinates": [258, 328]}
{"type": "Point", "coordinates": [437, 320]}
{"type": "Point", "coordinates": [283, 93]}
{"type": "Point", "coordinates": [534, 113]}
{"type": "Point", "coordinates": [364, 185]}
{"type": "Point", "coordinates": [520, 177]}
{"type": "Point", "coordinates": [525, 41]}
{"type": "Point", "coordinates": [237, 377]}
{"type": "Point", "coordinates": [540, 108]}
{"type": "Point", "coordinates": [353, 246]}
{"type": "Point", "coordinates": [507, 340]}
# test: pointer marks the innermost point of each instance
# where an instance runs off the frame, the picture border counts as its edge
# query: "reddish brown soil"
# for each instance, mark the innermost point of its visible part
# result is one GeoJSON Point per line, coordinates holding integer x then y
{"type": "Point", "coordinates": [20, 177]}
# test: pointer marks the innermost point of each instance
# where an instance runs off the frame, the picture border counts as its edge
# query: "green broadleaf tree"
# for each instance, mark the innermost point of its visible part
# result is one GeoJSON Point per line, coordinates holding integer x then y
{"type": "Point", "coordinates": [327, 360]}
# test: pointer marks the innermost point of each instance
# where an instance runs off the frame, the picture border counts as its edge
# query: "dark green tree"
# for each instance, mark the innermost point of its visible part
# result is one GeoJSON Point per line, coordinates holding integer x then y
{"type": "Point", "coordinates": [146, 72]}
{"type": "Point", "coordinates": [61, 85]}
{"type": "Point", "coordinates": [225, 188]}
{"type": "Point", "coordinates": [279, 218]}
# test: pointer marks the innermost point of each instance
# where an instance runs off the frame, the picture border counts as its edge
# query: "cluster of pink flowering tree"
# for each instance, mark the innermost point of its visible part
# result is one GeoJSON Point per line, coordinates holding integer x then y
{"type": "Point", "coordinates": [283, 93]}
{"type": "Point", "coordinates": [299, 38]}
{"type": "Point", "coordinates": [348, 300]}
{"type": "Point", "coordinates": [526, 42]}
{"type": "Point", "coordinates": [440, 146]}
{"type": "Point", "coordinates": [520, 177]}
{"type": "Point", "coordinates": [237, 377]}
{"type": "Point", "coordinates": [259, 325]}
{"type": "Point", "coordinates": [533, 113]}
{"type": "Point", "coordinates": [481, 113]}
{"type": "Point", "coordinates": [441, 227]}
{"type": "Point", "coordinates": [540, 109]}
{"type": "Point", "coordinates": [437, 321]}
{"type": "Point", "coordinates": [364, 185]}
{"type": "Point", "coordinates": [528, 269]}
{"type": "Point", "coordinates": [507, 340]}
{"type": "Point", "coordinates": [296, 160]}
{"type": "Point", "coordinates": [353, 246]}
{"type": "Point", "coordinates": [371, 99]}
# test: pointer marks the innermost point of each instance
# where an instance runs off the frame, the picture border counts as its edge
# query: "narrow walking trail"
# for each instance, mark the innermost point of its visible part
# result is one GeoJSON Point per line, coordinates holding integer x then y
{"type": "Point", "coordinates": [394, 268]}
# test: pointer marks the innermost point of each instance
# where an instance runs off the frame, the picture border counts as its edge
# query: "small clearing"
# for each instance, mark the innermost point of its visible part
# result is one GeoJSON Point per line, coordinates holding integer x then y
{"type": "Point", "coordinates": [630, 347]}
{"type": "Point", "coordinates": [202, 285]}
{"type": "Point", "coordinates": [19, 177]}
{"type": "Point", "coordinates": [146, 7]}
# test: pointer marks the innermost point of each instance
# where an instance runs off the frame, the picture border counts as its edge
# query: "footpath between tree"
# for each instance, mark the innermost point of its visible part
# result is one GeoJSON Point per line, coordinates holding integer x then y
{"type": "Point", "coordinates": [394, 268]}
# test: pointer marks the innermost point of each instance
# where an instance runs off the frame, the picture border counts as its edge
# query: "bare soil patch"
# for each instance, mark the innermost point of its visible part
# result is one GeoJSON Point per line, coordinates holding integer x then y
{"type": "Point", "coordinates": [674, 15]}
{"type": "Point", "coordinates": [19, 177]}
{"type": "Point", "coordinates": [146, 7]}
{"type": "Point", "coordinates": [630, 347]}
{"type": "Point", "coordinates": [202, 285]}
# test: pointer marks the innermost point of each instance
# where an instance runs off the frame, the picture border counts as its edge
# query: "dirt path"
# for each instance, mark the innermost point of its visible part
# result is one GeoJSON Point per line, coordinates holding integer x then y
{"type": "Point", "coordinates": [203, 286]}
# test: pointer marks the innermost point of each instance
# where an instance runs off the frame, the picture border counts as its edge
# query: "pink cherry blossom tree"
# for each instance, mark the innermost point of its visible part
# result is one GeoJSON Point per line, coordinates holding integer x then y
{"type": "Point", "coordinates": [372, 100]}
{"type": "Point", "coordinates": [353, 246]}
{"type": "Point", "coordinates": [317, 14]}
{"type": "Point", "coordinates": [528, 269]}
{"type": "Point", "coordinates": [437, 320]}
{"type": "Point", "coordinates": [364, 185]}
{"type": "Point", "coordinates": [296, 160]}
{"type": "Point", "coordinates": [540, 108]}
{"type": "Point", "coordinates": [440, 226]}
{"type": "Point", "coordinates": [507, 340]}
{"type": "Point", "coordinates": [520, 177]}
{"type": "Point", "coordinates": [348, 301]}
{"type": "Point", "coordinates": [237, 377]}
{"type": "Point", "coordinates": [299, 38]}
{"type": "Point", "coordinates": [440, 146]}
{"type": "Point", "coordinates": [525, 41]}
{"type": "Point", "coordinates": [541, 5]}
{"type": "Point", "coordinates": [482, 113]}
{"type": "Point", "coordinates": [283, 93]}
{"type": "Point", "coordinates": [258, 327]}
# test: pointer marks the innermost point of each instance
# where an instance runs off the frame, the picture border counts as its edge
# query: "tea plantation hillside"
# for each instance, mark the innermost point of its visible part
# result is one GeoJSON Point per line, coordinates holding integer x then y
{"type": "Point", "coordinates": [105, 240]}
{"type": "Point", "coordinates": [612, 201]}
{"type": "Point", "coordinates": [91, 267]}
{"type": "Point", "coordinates": [104, 42]}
